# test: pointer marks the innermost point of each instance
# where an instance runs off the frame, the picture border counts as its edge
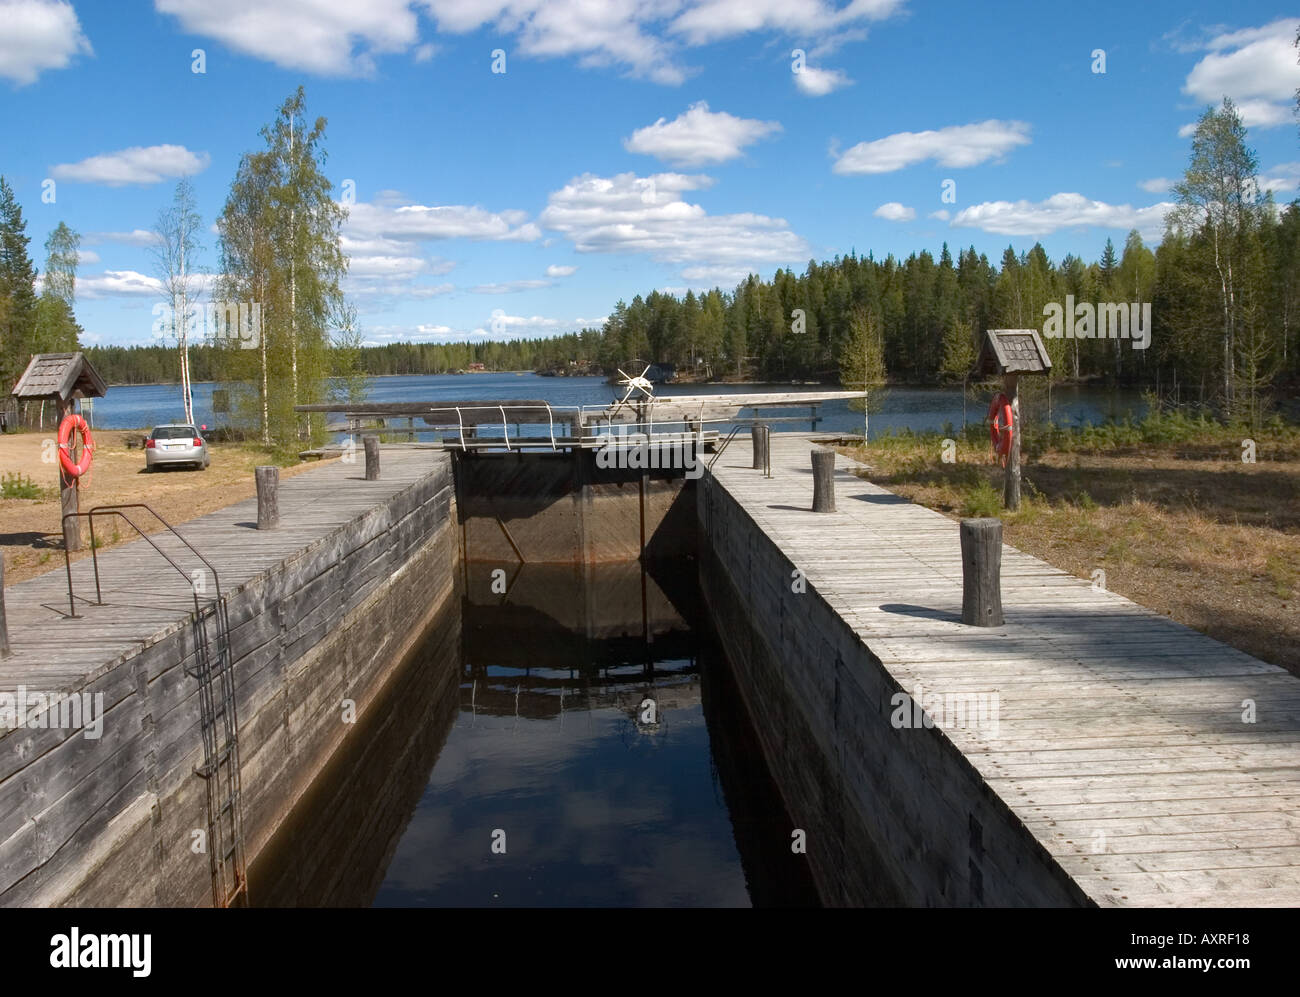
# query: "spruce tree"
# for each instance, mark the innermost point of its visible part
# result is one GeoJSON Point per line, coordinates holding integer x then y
{"type": "Point", "coordinates": [17, 290]}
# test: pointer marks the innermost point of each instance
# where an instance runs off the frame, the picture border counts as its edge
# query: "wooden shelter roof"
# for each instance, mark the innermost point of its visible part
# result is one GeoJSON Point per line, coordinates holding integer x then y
{"type": "Point", "coordinates": [59, 377]}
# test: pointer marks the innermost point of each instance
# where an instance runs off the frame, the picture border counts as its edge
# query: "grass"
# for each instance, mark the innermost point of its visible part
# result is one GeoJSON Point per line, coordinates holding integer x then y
{"type": "Point", "coordinates": [19, 486]}
{"type": "Point", "coordinates": [981, 500]}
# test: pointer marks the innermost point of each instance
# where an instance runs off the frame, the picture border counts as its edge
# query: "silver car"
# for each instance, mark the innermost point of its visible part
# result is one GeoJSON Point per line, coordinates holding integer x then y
{"type": "Point", "coordinates": [175, 444]}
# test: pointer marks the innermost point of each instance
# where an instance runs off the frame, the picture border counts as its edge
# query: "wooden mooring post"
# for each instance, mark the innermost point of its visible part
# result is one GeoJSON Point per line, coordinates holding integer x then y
{"type": "Point", "coordinates": [759, 431]}
{"type": "Point", "coordinates": [268, 498]}
{"type": "Point", "coordinates": [372, 457]}
{"type": "Point", "coordinates": [4, 627]}
{"type": "Point", "coordinates": [981, 572]}
{"type": "Point", "coordinates": [823, 465]}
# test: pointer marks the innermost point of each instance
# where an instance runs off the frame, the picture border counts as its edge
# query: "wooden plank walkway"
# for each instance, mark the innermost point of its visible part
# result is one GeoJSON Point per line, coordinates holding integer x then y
{"type": "Point", "coordinates": [1116, 725]}
{"type": "Point", "coordinates": [144, 596]}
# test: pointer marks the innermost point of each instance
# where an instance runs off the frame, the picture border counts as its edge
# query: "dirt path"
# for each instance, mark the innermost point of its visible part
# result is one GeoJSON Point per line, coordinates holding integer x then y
{"type": "Point", "coordinates": [30, 537]}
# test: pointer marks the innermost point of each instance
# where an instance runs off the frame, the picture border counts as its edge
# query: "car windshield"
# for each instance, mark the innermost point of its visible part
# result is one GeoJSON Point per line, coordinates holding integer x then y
{"type": "Point", "coordinates": [174, 433]}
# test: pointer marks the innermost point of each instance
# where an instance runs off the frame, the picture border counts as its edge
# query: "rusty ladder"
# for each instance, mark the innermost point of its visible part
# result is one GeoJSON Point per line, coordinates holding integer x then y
{"type": "Point", "coordinates": [213, 667]}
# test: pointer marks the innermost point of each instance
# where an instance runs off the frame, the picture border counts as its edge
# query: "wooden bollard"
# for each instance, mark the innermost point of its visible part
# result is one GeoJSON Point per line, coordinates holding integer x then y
{"type": "Point", "coordinates": [372, 457]}
{"type": "Point", "coordinates": [759, 433]}
{"type": "Point", "coordinates": [4, 628]}
{"type": "Point", "coordinates": [823, 464]}
{"type": "Point", "coordinates": [268, 499]}
{"type": "Point", "coordinates": [981, 572]}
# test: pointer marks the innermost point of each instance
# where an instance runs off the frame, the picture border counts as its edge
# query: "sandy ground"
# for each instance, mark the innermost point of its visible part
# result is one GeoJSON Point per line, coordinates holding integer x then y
{"type": "Point", "coordinates": [30, 536]}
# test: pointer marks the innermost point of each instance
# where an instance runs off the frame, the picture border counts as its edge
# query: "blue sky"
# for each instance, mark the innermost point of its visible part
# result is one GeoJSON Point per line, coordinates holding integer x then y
{"type": "Point", "coordinates": [630, 144]}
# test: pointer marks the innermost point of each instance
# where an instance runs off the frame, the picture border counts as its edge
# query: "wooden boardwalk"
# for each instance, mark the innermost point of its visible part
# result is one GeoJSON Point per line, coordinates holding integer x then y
{"type": "Point", "coordinates": [144, 596]}
{"type": "Point", "coordinates": [1120, 740]}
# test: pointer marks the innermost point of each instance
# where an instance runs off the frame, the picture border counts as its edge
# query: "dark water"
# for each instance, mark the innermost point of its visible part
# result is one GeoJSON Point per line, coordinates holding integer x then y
{"type": "Point", "coordinates": [525, 721]}
{"type": "Point", "coordinates": [918, 409]}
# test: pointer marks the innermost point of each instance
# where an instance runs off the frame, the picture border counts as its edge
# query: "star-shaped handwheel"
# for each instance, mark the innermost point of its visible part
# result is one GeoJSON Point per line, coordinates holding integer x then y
{"type": "Point", "coordinates": [638, 383]}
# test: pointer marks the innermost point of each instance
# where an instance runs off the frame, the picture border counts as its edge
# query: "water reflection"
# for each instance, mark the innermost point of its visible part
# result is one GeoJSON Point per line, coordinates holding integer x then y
{"type": "Point", "coordinates": [547, 745]}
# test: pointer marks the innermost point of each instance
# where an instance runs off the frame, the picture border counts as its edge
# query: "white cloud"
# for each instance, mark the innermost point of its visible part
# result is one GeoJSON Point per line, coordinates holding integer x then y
{"type": "Point", "coordinates": [1157, 185]}
{"type": "Point", "coordinates": [957, 146]}
{"type": "Point", "coordinates": [892, 211]}
{"type": "Point", "coordinates": [132, 284]}
{"type": "Point", "coordinates": [38, 35]}
{"type": "Point", "coordinates": [326, 37]}
{"type": "Point", "coordinates": [136, 237]}
{"type": "Point", "coordinates": [386, 266]}
{"type": "Point", "coordinates": [1280, 178]}
{"type": "Point", "coordinates": [644, 36]}
{"type": "Point", "coordinates": [699, 137]}
{"type": "Point", "coordinates": [712, 20]}
{"type": "Point", "coordinates": [136, 165]}
{"type": "Point", "coordinates": [556, 270]}
{"type": "Point", "coordinates": [501, 325]}
{"type": "Point", "coordinates": [85, 257]}
{"type": "Point", "coordinates": [819, 82]}
{"type": "Point", "coordinates": [413, 222]}
{"type": "Point", "coordinates": [1061, 211]}
{"type": "Point", "coordinates": [942, 214]}
{"type": "Point", "coordinates": [379, 293]}
{"type": "Point", "coordinates": [604, 33]}
{"type": "Point", "coordinates": [709, 277]}
{"type": "Point", "coordinates": [1256, 67]}
{"type": "Point", "coordinates": [511, 286]}
{"type": "Point", "coordinates": [378, 335]}
{"type": "Point", "coordinates": [632, 214]}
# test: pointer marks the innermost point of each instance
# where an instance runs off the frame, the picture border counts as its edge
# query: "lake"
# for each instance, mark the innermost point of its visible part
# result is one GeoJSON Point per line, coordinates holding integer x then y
{"type": "Point", "coordinates": [918, 409]}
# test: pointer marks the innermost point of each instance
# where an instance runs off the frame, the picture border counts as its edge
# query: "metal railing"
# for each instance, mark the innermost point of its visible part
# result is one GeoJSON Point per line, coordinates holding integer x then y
{"type": "Point", "coordinates": [117, 510]}
{"type": "Point", "coordinates": [630, 419]}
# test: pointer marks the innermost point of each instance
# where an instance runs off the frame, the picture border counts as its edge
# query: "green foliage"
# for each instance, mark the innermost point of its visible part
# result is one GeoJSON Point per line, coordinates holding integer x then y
{"type": "Point", "coordinates": [280, 251]}
{"type": "Point", "coordinates": [980, 500]}
{"type": "Point", "coordinates": [18, 486]}
{"type": "Point", "coordinates": [1223, 285]}
{"type": "Point", "coordinates": [17, 290]}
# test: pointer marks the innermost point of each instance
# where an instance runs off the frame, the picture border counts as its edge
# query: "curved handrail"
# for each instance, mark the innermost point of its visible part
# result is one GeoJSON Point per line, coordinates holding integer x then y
{"type": "Point", "coordinates": [117, 510]}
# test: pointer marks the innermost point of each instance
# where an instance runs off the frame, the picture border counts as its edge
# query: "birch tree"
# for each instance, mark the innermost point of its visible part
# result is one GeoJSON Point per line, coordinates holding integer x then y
{"type": "Point", "coordinates": [863, 363]}
{"type": "Point", "coordinates": [1217, 199]}
{"type": "Point", "coordinates": [175, 251]}
{"type": "Point", "coordinates": [280, 250]}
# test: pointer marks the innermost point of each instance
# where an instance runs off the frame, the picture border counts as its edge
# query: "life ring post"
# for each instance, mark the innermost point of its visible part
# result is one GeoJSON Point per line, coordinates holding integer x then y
{"type": "Point", "coordinates": [1011, 483]}
{"type": "Point", "coordinates": [69, 499]}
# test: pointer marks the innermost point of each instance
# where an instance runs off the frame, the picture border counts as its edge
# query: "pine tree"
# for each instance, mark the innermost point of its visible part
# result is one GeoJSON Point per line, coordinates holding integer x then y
{"type": "Point", "coordinates": [1106, 267]}
{"type": "Point", "coordinates": [17, 290]}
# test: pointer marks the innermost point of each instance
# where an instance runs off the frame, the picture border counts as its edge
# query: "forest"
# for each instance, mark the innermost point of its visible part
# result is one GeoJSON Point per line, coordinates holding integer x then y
{"type": "Point", "coordinates": [1222, 289]}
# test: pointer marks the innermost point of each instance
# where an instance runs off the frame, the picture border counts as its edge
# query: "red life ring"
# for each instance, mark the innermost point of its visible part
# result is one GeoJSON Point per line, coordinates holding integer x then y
{"type": "Point", "coordinates": [73, 421]}
{"type": "Point", "coordinates": [1001, 423]}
